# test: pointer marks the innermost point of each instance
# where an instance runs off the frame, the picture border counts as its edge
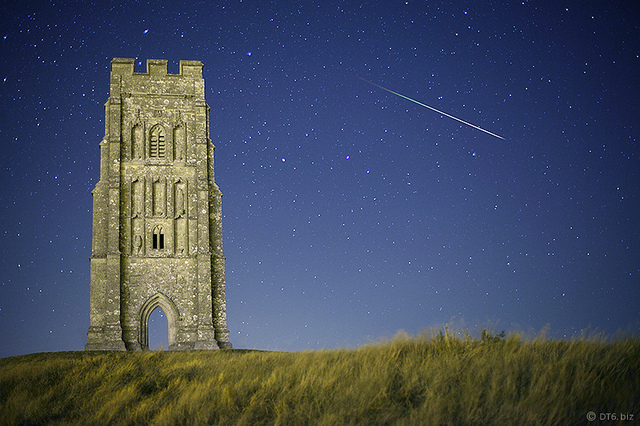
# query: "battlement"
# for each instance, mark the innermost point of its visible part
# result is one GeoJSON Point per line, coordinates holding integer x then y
{"type": "Point", "coordinates": [156, 67]}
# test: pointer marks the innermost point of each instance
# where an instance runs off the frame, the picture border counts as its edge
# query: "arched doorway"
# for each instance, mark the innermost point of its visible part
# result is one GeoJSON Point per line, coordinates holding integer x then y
{"type": "Point", "coordinates": [161, 301]}
{"type": "Point", "coordinates": [158, 330]}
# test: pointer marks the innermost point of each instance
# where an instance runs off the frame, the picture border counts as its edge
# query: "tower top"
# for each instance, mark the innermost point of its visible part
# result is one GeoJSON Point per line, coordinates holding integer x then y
{"type": "Point", "coordinates": [156, 67]}
{"type": "Point", "coordinates": [156, 81]}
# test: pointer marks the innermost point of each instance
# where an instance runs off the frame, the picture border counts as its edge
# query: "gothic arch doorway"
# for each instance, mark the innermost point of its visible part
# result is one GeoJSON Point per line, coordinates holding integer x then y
{"type": "Point", "coordinates": [158, 330]}
{"type": "Point", "coordinates": [170, 311]}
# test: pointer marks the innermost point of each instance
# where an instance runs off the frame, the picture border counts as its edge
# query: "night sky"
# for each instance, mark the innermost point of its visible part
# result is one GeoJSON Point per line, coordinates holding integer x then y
{"type": "Point", "coordinates": [349, 212]}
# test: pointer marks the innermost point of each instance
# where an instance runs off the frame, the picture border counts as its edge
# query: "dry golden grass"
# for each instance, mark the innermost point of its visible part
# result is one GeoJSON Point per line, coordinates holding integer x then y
{"type": "Point", "coordinates": [429, 379]}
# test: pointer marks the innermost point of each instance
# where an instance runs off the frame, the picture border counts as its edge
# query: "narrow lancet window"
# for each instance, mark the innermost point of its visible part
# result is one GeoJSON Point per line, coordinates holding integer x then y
{"type": "Point", "coordinates": [158, 238]}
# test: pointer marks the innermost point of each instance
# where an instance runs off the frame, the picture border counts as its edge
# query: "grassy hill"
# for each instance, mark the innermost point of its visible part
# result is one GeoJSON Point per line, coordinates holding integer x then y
{"type": "Point", "coordinates": [432, 379]}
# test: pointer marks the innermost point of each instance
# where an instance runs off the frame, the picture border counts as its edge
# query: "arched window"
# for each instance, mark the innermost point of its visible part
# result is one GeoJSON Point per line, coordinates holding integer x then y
{"type": "Point", "coordinates": [158, 238]}
{"type": "Point", "coordinates": [156, 143]}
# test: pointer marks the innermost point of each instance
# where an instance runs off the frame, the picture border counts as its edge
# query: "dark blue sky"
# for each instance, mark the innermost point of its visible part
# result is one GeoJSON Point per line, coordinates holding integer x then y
{"type": "Point", "coordinates": [349, 212]}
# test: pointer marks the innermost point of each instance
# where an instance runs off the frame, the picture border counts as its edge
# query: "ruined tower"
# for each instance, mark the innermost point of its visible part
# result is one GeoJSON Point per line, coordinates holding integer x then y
{"type": "Point", "coordinates": [157, 220]}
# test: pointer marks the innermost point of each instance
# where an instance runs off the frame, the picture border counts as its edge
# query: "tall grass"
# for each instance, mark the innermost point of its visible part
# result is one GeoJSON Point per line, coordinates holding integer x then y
{"type": "Point", "coordinates": [429, 379]}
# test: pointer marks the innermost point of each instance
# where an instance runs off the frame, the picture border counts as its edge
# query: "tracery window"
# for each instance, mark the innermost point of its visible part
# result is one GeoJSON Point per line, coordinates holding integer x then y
{"type": "Point", "coordinates": [156, 143]}
{"type": "Point", "coordinates": [158, 238]}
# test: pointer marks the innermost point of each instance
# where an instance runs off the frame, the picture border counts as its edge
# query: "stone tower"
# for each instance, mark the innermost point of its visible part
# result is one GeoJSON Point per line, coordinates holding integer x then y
{"type": "Point", "coordinates": [157, 220]}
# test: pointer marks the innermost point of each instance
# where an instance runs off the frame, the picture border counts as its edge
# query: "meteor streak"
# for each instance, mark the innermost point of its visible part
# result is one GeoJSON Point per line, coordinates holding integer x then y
{"type": "Point", "coordinates": [432, 109]}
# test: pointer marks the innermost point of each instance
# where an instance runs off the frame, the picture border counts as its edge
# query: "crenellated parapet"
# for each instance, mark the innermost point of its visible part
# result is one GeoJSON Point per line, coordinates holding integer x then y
{"type": "Point", "coordinates": [156, 67]}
